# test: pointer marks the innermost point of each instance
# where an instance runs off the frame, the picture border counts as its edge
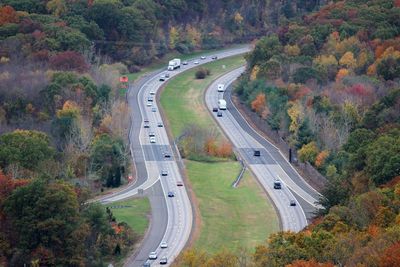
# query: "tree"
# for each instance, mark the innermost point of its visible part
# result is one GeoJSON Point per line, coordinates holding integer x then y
{"type": "Point", "coordinates": [321, 157]}
{"type": "Point", "coordinates": [391, 256]}
{"type": "Point", "coordinates": [348, 60]}
{"type": "Point", "coordinates": [308, 152]}
{"type": "Point", "coordinates": [383, 159]}
{"type": "Point", "coordinates": [389, 68]}
{"type": "Point", "coordinates": [173, 37]}
{"type": "Point", "coordinates": [8, 15]}
{"type": "Point", "coordinates": [25, 148]}
{"type": "Point", "coordinates": [47, 216]}
{"type": "Point", "coordinates": [69, 61]}
{"type": "Point", "coordinates": [341, 74]}
{"type": "Point", "coordinates": [258, 104]}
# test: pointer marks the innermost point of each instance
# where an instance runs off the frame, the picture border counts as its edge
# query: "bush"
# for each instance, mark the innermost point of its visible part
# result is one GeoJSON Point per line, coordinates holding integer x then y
{"type": "Point", "coordinates": [202, 73]}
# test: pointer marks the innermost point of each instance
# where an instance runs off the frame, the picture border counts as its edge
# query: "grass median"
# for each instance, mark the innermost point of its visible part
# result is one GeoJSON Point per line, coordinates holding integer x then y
{"type": "Point", "coordinates": [231, 218]}
{"type": "Point", "coordinates": [135, 212]}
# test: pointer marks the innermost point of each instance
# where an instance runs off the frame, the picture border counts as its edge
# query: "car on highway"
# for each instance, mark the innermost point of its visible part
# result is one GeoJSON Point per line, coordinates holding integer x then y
{"type": "Point", "coordinates": [171, 194]}
{"type": "Point", "coordinates": [219, 114]}
{"type": "Point", "coordinates": [152, 140]}
{"type": "Point", "coordinates": [162, 78]}
{"type": "Point", "coordinates": [214, 57]}
{"type": "Point", "coordinates": [163, 261]}
{"type": "Point", "coordinates": [163, 244]}
{"type": "Point", "coordinates": [179, 183]}
{"type": "Point", "coordinates": [151, 134]}
{"type": "Point", "coordinates": [203, 57]}
{"type": "Point", "coordinates": [196, 62]}
{"type": "Point", "coordinates": [277, 184]}
{"type": "Point", "coordinates": [146, 264]}
{"type": "Point", "coordinates": [152, 93]}
{"type": "Point", "coordinates": [257, 153]}
{"type": "Point", "coordinates": [164, 173]}
{"type": "Point", "coordinates": [167, 155]}
{"type": "Point", "coordinates": [153, 110]}
{"type": "Point", "coordinates": [150, 99]}
{"type": "Point", "coordinates": [292, 203]}
{"type": "Point", "coordinates": [185, 62]}
{"type": "Point", "coordinates": [160, 124]}
{"type": "Point", "coordinates": [149, 104]}
{"type": "Point", "coordinates": [215, 109]}
{"type": "Point", "coordinates": [153, 255]}
{"type": "Point", "coordinates": [166, 75]}
{"type": "Point", "coordinates": [146, 124]}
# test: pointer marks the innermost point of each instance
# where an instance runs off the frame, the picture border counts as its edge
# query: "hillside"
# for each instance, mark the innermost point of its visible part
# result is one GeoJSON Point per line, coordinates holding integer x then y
{"type": "Point", "coordinates": [329, 84]}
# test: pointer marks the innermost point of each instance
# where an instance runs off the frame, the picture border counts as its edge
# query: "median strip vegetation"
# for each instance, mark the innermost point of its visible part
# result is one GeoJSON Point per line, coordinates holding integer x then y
{"type": "Point", "coordinates": [230, 218]}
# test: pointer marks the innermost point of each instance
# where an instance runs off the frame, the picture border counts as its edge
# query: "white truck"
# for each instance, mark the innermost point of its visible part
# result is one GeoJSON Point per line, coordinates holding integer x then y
{"type": "Point", "coordinates": [221, 87]}
{"type": "Point", "coordinates": [222, 104]}
{"type": "Point", "coordinates": [174, 64]}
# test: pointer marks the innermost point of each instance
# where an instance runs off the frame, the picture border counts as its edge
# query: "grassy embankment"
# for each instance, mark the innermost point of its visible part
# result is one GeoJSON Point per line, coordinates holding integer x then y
{"type": "Point", "coordinates": [231, 218]}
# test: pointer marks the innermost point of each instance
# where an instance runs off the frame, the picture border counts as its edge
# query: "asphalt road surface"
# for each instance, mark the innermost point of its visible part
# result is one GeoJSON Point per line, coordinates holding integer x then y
{"type": "Point", "coordinates": [172, 217]}
{"type": "Point", "coordinates": [270, 166]}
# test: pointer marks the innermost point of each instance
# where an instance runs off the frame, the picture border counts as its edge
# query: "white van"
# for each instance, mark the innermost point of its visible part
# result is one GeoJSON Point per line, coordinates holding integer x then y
{"type": "Point", "coordinates": [221, 87]}
{"type": "Point", "coordinates": [222, 104]}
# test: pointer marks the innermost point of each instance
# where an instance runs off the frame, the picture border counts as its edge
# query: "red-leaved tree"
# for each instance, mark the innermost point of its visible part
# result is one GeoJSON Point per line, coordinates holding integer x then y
{"type": "Point", "coordinates": [69, 61]}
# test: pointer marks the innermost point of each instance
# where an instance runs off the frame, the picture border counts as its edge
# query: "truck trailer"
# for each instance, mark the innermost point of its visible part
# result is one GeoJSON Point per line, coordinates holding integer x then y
{"type": "Point", "coordinates": [174, 64]}
{"type": "Point", "coordinates": [222, 104]}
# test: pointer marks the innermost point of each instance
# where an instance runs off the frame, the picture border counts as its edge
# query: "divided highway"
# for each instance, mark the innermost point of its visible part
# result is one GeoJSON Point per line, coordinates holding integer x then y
{"type": "Point", "coordinates": [157, 171]}
{"type": "Point", "coordinates": [270, 166]}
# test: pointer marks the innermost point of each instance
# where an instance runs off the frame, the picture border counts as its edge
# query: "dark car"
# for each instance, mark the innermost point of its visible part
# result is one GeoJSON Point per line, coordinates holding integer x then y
{"type": "Point", "coordinates": [164, 260]}
{"type": "Point", "coordinates": [146, 124]}
{"type": "Point", "coordinates": [219, 114]}
{"type": "Point", "coordinates": [215, 109]}
{"type": "Point", "coordinates": [171, 194]}
{"type": "Point", "coordinates": [292, 203]}
{"type": "Point", "coordinates": [164, 173]}
{"type": "Point", "coordinates": [162, 78]}
{"type": "Point", "coordinates": [277, 185]}
{"type": "Point", "coordinates": [179, 183]}
{"type": "Point", "coordinates": [184, 63]}
{"type": "Point", "coordinates": [167, 155]}
{"type": "Point", "coordinates": [257, 153]}
{"type": "Point", "coordinates": [166, 75]}
{"type": "Point", "coordinates": [214, 57]}
{"type": "Point", "coordinates": [159, 124]}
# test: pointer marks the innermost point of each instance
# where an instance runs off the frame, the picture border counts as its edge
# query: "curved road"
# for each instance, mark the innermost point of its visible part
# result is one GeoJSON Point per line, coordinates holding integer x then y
{"type": "Point", "coordinates": [271, 165]}
{"type": "Point", "coordinates": [172, 217]}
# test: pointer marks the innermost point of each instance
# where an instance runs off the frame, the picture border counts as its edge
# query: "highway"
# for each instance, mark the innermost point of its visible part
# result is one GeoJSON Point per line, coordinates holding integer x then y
{"type": "Point", "coordinates": [172, 217]}
{"type": "Point", "coordinates": [270, 166]}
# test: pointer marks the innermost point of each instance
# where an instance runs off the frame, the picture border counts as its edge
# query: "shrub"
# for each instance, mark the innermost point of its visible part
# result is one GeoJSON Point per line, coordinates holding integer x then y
{"type": "Point", "coordinates": [202, 73]}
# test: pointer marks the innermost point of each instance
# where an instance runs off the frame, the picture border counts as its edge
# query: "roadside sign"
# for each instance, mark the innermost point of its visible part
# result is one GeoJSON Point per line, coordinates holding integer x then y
{"type": "Point", "coordinates": [123, 79]}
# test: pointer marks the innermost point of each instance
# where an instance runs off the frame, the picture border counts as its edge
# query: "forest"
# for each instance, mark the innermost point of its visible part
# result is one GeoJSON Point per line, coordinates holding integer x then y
{"type": "Point", "coordinates": [329, 85]}
{"type": "Point", "coordinates": [324, 76]}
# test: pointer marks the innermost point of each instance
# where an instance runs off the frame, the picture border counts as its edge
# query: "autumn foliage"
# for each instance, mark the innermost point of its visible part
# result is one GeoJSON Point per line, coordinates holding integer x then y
{"type": "Point", "coordinates": [8, 15]}
{"type": "Point", "coordinates": [69, 61]}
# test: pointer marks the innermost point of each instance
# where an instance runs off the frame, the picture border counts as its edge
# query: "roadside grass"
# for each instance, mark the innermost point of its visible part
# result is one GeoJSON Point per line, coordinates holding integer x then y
{"type": "Point", "coordinates": [182, 99]}
{"type": "Point", "coordinates": [135, 212]}
{"type": "Point", "coordinates": [232, 218]}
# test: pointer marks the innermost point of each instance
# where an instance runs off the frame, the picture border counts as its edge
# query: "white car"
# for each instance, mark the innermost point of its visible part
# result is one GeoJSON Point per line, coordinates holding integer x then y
{"type": "Point", "coordinates": [196, 62]}
{"type": "Point", "coordinates": [152, 140]}
{"type": "Point", "coordinates": [202, 57]}
{"type": "Point", "coordinates": [152, 93]}
{"type": "Point", "coordinates": [153, 255]}
{"type": "Point", "coordinates": [149, 104]}
{"type": "Point", "coordinates": [163, 244]}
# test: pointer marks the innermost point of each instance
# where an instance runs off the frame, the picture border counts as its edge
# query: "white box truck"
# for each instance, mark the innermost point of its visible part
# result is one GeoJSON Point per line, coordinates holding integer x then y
{"type": "Point", "coordinates": [222, 104]}
{"type": "Point", "coordinates": [221, 87]}
{"type": "Point", "coordinates": [174, 64]}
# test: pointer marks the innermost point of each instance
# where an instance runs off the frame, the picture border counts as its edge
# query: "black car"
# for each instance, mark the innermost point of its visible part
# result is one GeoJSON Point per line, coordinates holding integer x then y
{"type": "Point", "coordinates": [171, 194]}
{"type": "Point", "coordinates": [159, 124]}
{"type": "Point", "coordinates": [164, 173]}
{"type": "Point", "coordinates": [219, 114]}
{"type": "Point", "coordinates": [214, 57]}
{"type": "Point", "coordinates": [163, 260]}
{"type": "Point", "coordinates": [277, 185]}
{"type": "Point", "coordinates": [167, 155]}
{"type": "Point", "coordinates": [146, 124]}
{"type": "Point", "coordinates": [292, 203]}
{"type": "Point", "coordinates": [257, 153]}
{"type": "Point", "coordinates": [215, 109]}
